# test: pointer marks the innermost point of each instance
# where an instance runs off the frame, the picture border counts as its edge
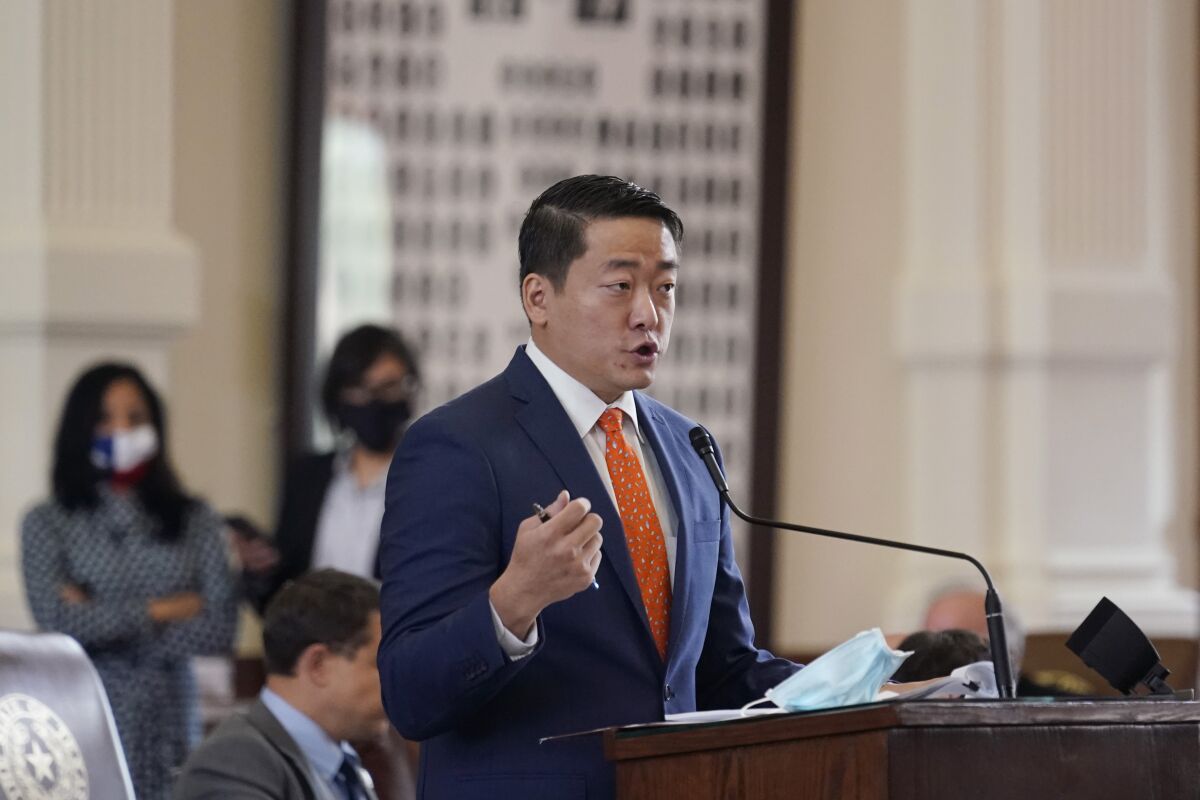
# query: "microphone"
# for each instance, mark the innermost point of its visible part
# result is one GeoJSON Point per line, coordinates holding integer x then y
{"type": "Point", "coordinates": [702, 443]}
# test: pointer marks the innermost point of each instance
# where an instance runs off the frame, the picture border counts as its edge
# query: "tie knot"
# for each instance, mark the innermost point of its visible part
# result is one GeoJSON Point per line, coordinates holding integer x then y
{"type": "Point", "coordinates": [350, 777]}
{"type": "Point", "coordinates": [610, 421]}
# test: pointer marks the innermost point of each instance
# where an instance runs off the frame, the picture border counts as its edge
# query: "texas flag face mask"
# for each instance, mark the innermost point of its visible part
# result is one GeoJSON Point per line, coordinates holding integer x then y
{"type": "Point", "coordinates": [124, 451]}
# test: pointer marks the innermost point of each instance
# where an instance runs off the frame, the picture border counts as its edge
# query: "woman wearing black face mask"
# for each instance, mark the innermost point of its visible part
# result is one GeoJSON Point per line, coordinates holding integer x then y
{"type": "Point", "coordinates": [333, 502]}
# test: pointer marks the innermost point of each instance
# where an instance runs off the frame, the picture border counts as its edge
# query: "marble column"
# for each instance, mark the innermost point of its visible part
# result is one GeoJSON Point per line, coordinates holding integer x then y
{"type": "Point", "coordinates": [1042, 315]}
{"type": "Point", "coordinates": [90, 264]}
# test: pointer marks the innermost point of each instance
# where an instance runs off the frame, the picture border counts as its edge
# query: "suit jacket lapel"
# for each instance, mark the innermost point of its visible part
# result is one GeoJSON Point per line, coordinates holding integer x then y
{"type": "Point", "coordinates": [261, 718]}
{"type": "Point", "coordinates": [548, 425]}
{"type": "Point", "coordinates": [657, 435]}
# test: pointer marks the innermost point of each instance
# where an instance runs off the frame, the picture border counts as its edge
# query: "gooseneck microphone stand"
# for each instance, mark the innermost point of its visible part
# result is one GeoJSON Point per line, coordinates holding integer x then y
{"type": "Point", "coordinates": [703, 444]}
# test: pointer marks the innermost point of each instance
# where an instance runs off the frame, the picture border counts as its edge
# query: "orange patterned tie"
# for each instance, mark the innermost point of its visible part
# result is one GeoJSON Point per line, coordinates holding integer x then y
{"type": "Point", "coordinates": [643, 533]}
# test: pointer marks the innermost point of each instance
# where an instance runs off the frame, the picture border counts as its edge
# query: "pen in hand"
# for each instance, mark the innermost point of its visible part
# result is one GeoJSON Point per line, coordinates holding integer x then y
{"type": "Point", "coordinates": [545, 517]}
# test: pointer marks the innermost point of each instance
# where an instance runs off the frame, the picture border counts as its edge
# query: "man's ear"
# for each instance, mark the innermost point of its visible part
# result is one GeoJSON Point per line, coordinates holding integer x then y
{"type": "Point", "coordinates": [313, 664]}
{"type": "Point", "coordinates": [535, 292]}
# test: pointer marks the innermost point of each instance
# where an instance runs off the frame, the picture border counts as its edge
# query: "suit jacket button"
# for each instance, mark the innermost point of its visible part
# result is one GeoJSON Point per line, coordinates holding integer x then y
{"type": "Point", "coordinates": [668, 693]}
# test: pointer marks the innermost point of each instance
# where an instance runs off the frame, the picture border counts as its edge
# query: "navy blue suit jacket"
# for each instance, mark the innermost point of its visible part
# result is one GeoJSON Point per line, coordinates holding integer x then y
{"type": "Point", "coordinates": [463, 479]}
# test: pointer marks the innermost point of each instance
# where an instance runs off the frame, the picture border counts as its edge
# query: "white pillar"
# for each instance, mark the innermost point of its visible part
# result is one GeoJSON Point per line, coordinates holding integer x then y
{"type": "Point", "coordinates": [90, 265]}
{"type": "Point", "coordinates": [1039, 319]}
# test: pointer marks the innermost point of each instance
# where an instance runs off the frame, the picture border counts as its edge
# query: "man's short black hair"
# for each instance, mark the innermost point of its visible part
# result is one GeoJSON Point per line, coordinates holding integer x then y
{"type": "Point", "coordinates": [326, 607]}
{"type": "Point", "coordinates": [938, 653]}
{"type": "Point", "coordinates": [552, 235]}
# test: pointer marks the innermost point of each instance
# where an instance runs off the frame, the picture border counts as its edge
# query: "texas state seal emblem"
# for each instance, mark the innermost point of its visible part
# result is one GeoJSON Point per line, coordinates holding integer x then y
{"type": "Point", "coordinates": [39, 757]}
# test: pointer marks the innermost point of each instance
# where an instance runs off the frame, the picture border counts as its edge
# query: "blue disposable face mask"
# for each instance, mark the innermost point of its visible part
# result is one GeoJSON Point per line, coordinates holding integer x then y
{"type": "Point", "coordinates": [847, 675]}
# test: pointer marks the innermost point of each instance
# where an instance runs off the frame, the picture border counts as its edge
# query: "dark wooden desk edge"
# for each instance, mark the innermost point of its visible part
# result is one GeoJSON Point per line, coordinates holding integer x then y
{"type": "Point", "coordinates": [621, 745]}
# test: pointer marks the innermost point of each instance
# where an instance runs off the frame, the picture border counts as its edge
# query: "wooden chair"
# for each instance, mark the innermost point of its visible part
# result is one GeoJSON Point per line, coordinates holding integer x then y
{"type": "Point", "coordinates": [1048, 661]}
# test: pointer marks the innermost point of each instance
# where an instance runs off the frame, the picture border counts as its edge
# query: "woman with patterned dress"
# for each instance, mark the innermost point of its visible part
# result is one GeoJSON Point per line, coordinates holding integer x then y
{"type": "Point", "coordinates": [124, 561]}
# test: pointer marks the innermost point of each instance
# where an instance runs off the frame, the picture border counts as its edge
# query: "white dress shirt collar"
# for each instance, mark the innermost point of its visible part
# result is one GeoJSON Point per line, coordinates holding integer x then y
{"type": "Point", "coordinates": [581, 403]}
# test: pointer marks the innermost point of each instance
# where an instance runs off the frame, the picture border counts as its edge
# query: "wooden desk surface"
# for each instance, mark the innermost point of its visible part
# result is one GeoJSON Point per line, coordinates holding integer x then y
{"type": "Point", "coordinates": [925, 750]}
{"type": "Point", "coordinates": [650, 741]}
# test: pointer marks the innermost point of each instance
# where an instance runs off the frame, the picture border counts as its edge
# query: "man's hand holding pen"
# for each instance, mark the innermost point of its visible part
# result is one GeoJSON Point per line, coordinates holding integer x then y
{"type": "Point", "coordinates": [551, 561]}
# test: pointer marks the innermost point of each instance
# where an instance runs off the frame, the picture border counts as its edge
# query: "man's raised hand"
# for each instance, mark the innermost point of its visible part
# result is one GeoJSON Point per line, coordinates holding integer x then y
{"type": "Point", "coordinates": [550, 561]}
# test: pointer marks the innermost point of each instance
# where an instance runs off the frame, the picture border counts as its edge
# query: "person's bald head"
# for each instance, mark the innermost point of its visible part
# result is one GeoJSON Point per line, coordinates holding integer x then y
{"type": "Point", "coordinates": [957, 609]}
{"type": "Point", "coordinates": [960, 608]}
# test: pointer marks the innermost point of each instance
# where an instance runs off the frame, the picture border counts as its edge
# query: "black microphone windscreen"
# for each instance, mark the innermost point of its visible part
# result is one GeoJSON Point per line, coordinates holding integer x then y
{"type": "Point", "coordinates": [702, 442]}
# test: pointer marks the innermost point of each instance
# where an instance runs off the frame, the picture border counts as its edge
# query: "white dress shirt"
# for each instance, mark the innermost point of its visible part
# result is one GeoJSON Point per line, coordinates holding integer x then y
{"type": "Point", "coordinates": [585, 408]}
{"type": "Point", "coordinates": [348, 525]}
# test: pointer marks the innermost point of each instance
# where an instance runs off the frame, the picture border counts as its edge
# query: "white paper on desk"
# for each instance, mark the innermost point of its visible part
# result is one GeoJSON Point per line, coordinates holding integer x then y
{"type": "Point", "coordinates": [976, 680]}
{"type": "Point", "coordinates": [720, 715]}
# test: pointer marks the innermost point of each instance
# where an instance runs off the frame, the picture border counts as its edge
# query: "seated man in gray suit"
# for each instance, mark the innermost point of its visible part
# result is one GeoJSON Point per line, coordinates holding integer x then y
{"type": "Point", "coordinates": [320, 637]}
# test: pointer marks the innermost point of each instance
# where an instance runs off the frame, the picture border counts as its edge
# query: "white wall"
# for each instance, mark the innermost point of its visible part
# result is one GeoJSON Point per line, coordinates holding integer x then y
{"type": "Point", "coordinates": [842, 415]}
{"type": "Point", "coordinates": [991, 325]}
{"type": "Point", "coordinates": [876, 212]}
{"type": "Point", "coordinates": [229, 112]}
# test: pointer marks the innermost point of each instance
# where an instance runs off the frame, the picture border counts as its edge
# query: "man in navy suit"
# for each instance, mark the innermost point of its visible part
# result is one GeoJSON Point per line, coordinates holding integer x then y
{"type": "Point", "coordinates": [623, 601]}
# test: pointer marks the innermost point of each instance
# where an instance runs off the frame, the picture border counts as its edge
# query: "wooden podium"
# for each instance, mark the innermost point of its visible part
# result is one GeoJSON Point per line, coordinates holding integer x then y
{"type": "Point", "coordinates": [923, 750]}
